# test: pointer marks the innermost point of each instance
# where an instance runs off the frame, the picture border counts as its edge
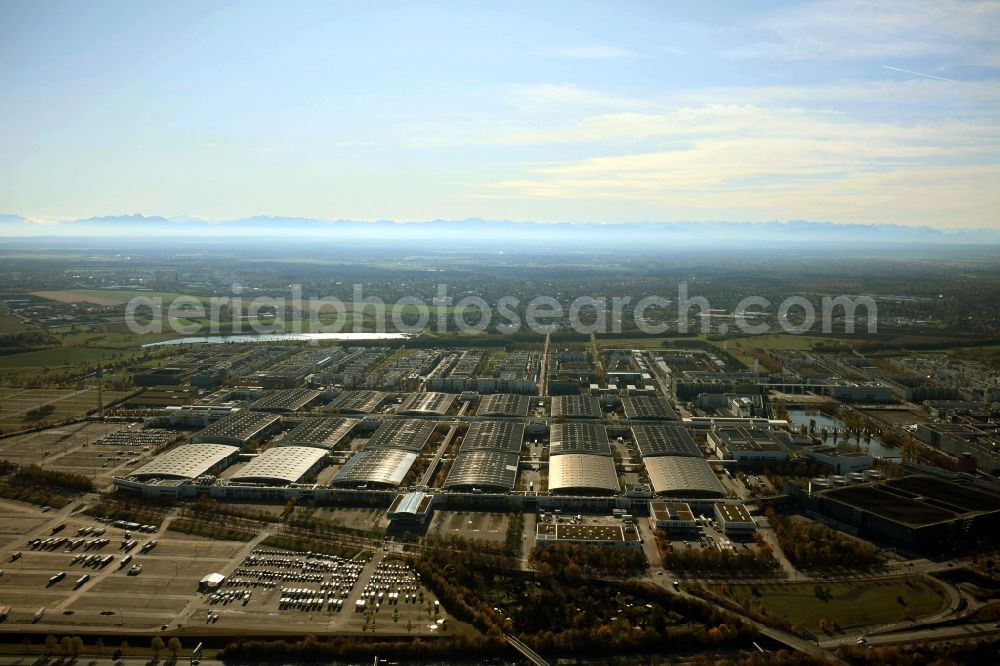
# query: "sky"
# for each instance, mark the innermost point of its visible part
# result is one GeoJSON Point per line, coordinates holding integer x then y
{"type": "Point", "coordinates": [847, 111]}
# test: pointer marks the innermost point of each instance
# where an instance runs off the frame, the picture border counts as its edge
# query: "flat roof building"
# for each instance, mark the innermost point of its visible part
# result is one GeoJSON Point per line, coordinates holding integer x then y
{"type": "Point", "coordinates": [579, 438]}
{"type": "Point", "coordinates": [404, 434]}
{"type": "Point", "coordinates": [239, 429]}
{"type": "Point", "coordinates": [507, 436]}
{"type": "Point", "coordinates": [683, 476]}
{"type": "Point", "coordinates": [840, 462]}
{"type": "Point", "coordinates": [915, 510]}
{"type": "Point", "coordinates": [576, 407]}
{"type": "Point", "coordinates": [648, 408]}
{"type": "Point", "coordinates": [281, 465]}
{"type": "Point", "coordinates": [286, 401]}
{"type": "Point", "coordinates": [188, 461]}
{"type": "Point", "coordinates": [672, 516]}
{"type": "Point", "coordinates": [504, 404]}
{"type": "Point", "coordinates": [583, 473]}
{"type": "Point", "coordinates": [587, 534]}
{"type": "Point", "coordinates": [327, 432]}
{"type": "Point", "coordinates": [491, 470]}
{"type": "Point", "coordinates": [426, 404]}
{"type": "Point", "coordinates": [734, 519]}
{"type": "Point", "coordinates": [357, 402]}
{"type": "Point", "coordinates": [746, 444]}
{"type": "Point", "coordinates": [376, 467]}
{"type": "Point", "coordinates": [666, 439]}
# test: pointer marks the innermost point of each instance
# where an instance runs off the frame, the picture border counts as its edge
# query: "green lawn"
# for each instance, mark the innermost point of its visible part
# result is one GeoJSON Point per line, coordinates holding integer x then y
{"type": "Point", "coordinates": [850, 604]}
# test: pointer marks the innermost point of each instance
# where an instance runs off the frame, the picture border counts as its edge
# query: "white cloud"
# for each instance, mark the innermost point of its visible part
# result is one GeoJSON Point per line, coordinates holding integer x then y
{"type": "Point", "coordinates": [957, 31]}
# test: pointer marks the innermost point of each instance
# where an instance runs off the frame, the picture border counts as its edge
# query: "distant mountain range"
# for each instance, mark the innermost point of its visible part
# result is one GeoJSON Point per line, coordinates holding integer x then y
{"type": "Point", "coordinates": [701, 233]}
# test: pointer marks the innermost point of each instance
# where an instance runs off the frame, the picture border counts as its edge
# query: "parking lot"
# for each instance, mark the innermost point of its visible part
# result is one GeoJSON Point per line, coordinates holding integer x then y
{"type": "Point", "coordinates": [469, 525]}
{"type": "Point", "coordinates": [287, 590]}
{"type": "Point", "coordinates": [74, 448]}
{"type": "Point", "coordinates": [165, 585]}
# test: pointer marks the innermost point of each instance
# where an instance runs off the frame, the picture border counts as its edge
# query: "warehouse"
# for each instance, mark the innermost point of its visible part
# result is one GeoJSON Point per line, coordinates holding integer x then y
{"type": "Point", "coordinates": [239, 429]}
{"type": "Point", "coordinates": [576, 407]}
{"type": "Point", "coordinates": [920, 511]}
{"type": "Point", "coordinates": [582, 473]}
{"type": "Point", "coordinates": [378, 467]}
{"type": "Point", "coordinates": [426, 404]}
{"type": "Point", "coordinates": [579, 438]}
{"type": "Point", "coordinates": [506, 436]}
{"type": "Point", "coordinates": [746, 444]}
{"type": "Point", "coordinates": [667, 439]}
{"type": "Point", "coordinates": [404, 434]}
{"type": "Point", "coordinates": [188, 461]}
{"type": "Point", "coordinates": [357, 402]}
{"type": "Point", "coordinates": [324, 433]}
{"type": "Point", "coordinates": [281, 465]}
{"type": "Point", "coordinates": [286, 402]}
{"type": "Point", "coordinates": [504, 404]}
{"type": "Point", "coordinates": [734, 520]}
{"type": "Point", "coordinates": [683, 476]}
{"type": "Point", "coordinates": [648, 408]}
{"type": "Point", "coordinates": [487, 470]}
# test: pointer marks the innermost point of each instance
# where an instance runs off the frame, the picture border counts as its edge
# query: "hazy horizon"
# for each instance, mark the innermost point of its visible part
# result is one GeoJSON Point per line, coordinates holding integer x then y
{"type": "Point", "coordinates": [557, 112]}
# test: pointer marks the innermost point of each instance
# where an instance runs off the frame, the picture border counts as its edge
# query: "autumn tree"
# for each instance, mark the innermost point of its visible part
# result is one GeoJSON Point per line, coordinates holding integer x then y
{"type": "Point", "coordinates": [156, 644]}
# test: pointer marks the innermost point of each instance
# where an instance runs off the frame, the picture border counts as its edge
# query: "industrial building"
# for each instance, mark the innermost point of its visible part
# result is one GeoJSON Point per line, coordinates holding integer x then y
{"type": "Point", "coordinates": [239, 429]}
{"type": "Point", "coordinates": [576, 407]}
{"type": "Point", "coordinates": [840, 462]}
{"type": "Point", "coordinates": [286, 401]}
{"type": "Point", "coordinates": [403, 434]}
{"type": "Point", "coordinates": [414, 508]}
{"type": "Point", "coordinates": [746, 444]}
{"type": "Point", "coordinates": [188, 461]}
{"type": "Point", "coordinates": [579, 438]}
{"type": "Point", "coordinates": [507, 436]}
{"type": "Point", "coordinates": [328, 432]}
{"type": "Point", "coordinates": [586, 534]}
{"type": "Point", "coordinates": [922, 511]}
{"type": "Point", "coordinates": [960, 438]}
{"type": "Point", "coordinates": [583, 473]}
{"type": "Point", "coordinates": [281, 465]}
{"type": "Point", "coordinates": [672, 516]}
{"type": "Point", "coordinates": [377, 467]}
{"type": "Point", "coordinates": [504, 404]}
{"type": "Point", "coordinates": [667, 439]}
{"type": "Point", "coordinates": [734, 520]}
{"type": "Point", "coordinates": [357, 402]}
{"type": "Point", "coordinates": [648, 408]}
{"type": "Point", "coordinates": [426, 404]}
{"type": "Point", "coordinates": [484, 470]}
{"type": "Point", "coordinates": [683, 476]}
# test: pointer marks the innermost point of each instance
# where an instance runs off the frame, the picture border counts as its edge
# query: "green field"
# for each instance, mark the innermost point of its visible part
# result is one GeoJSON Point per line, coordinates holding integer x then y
{"type": "Point", "coordinates": [849, 604]}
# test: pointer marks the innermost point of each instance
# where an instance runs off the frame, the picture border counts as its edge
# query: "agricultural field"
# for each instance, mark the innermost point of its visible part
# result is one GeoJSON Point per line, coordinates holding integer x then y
{"type": "Point", "coordinates": [104, 296]}
{"type": "Point", "coordinates": [10, 324]}
{"type": "Point", "coordinates": [16, 403]}
{"type": "Point", "coordinates": [844, 604]}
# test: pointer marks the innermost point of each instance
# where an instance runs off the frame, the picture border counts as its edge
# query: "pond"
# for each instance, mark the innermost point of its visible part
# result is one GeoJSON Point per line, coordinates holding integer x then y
{"type": "Point", "coordinates": [799, 416]}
